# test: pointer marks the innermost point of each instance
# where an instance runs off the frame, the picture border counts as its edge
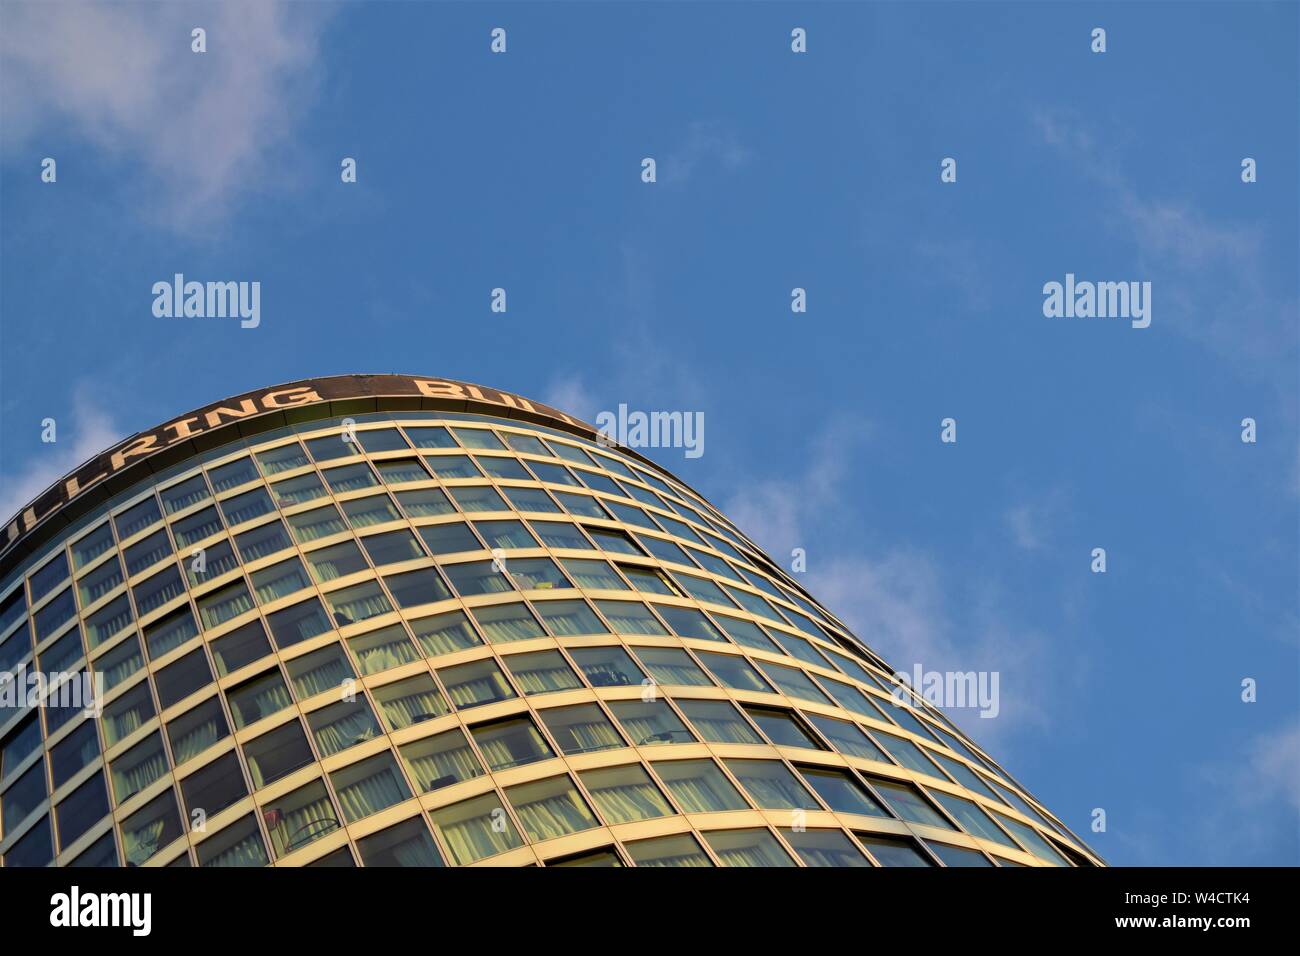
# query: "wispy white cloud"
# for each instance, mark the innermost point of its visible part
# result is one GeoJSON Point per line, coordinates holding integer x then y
{"type": "Point", "coordinates": [123, 77]}
{"type": "Point", "coordinates": [569, 393]}
{"type": "Point", "coordinates": [86, 432]}
{"type": "Point", "coordinates": [706, 143]}
{"type": "Point", "coordinates": [1032, 520]}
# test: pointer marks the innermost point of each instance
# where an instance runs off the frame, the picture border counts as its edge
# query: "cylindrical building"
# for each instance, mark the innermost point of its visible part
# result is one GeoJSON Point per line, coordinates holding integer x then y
{"type": "Point", "coordinates": [400, 621]}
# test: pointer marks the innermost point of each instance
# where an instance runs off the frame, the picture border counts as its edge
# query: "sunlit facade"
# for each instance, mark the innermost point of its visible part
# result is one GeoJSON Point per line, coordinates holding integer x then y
{"type": "Point", "coordinates": [383, 621]}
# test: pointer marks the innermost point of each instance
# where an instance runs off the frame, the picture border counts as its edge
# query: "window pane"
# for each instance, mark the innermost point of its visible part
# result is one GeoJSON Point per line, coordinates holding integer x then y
{"type": "Point", "coordinates": [365, 512]}
{"type": "Point", "coordinates": [132, 771]}
{"type": "Point", "coordinates": [719, 722]}
{"type": "Point", "coordinates": [383, 649]}
{"type": "Point", "coordinates": [550, 808]}
{"type": "Point", "coordinates": [842, 793]}
{"type": "Point", "coordinates": [593, 575]}
{"type": "Point", "coordinates": [607, 666]}
{"type": "Point", "coordinates": [451, 538]}
{"type": "Point", "coordinates": [847, 738]}
{"type": "Point", "coordinates": [452, 466]}
{"type": "Point", "coordinates": [894, 852]}
{"type": "Point", "coordinates": [258, 698]}
{"type": "Point", "coordinates": [569, 618]}
{"type": "Point", "coordinates": [625, 794]}
{"type": "Point", "coordinates": [246, 507]}
{"type": "Point", "coordinates": [277, 754]}
{"type": "Point", "coordinates": [541, 672]}
{"type": "Point", "coordinates": [668, 851]}
{"type": "Point", "coordinates": [324, 670]}
{"type": "Point", "coordinates": [630, 617]}
{"type": "Point", "coordinates": [369, 786]}
{"type": "Point", "coordinates": [240, 647]}
{"type": "Point", "coordinates": [197, 729]}
{"type": "Point", "coordinates": [150, 829]}
{"type": "Point", "coordinates": [214, 787]}
{"type": "Point", "coordinates": [475, 829]}
{"type": "Point", "coordinates": [510, 743]}
{"type": "Point", "coordinates": [772, 786]}
{"type": "Point", "coordinates": [233, 474]}
{"type": "Point", "coordinates": [343, 725]}
{"type": "Point", "coordinates": [825, 848]}
{"type": "Point", "coordinates": [406, 844]}
{"type": "Point", "coordinates": [733, 671]}
{"type": "Point", "coordinates": [650, 723]}
{"type": "Point", "coordinates": [239, 844]}
{"type": "Point", "coordinates": [957, 855]}
{"type": "Point", "coordinates": [425, 503]}
{"type": "Point", "coordinates": [300, 818]}
{"type": "Point", "coordinates": [431, 437]}
{"type": "Point", "coordinates": [444, 633]}
{"type": "Point", "coordinates": [699, 786]}
{"type": "Point", "coordinates": [908, 803]}
{"type": "Point", "coordinates": [477, 577]}
{"type": "Point", "coordinates": [747, 848]}
{"type": "Point", "coordinates": [781, 728]}
{"type": "Point", "coordinates": [972, 818]}
{"type": "Point", "coordinates": [670, 665]}
{"type": "Point", "coordinates": [410, 701]}
{"type": "Point", "coordinates": [281, 459]}
{"type": "Point", "coordinates": [441, 760]}
{"type": "Point", "coordinates": [480, 682]}
{"type": "Point", "coordinates": [507, 622]}
{"type": "Point", "coordinates": [581, 729]}
{"type": "Point", "coordinates": [298, 623]}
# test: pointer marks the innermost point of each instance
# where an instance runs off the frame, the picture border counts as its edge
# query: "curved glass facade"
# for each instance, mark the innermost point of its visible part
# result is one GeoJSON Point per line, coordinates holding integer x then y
{"type": "Point", "coordinates": [426, 638]}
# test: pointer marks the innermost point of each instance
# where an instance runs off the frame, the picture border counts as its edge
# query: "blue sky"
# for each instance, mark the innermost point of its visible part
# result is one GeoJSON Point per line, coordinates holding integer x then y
{"type": "Point", "coordinates": [775, 170]}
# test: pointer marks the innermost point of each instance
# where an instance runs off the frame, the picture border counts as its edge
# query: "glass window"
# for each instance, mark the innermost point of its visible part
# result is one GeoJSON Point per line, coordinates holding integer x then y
{"type": "Point", "coordinates": [781, 728]}
{"type": "Point", "coordinates": [503, 467]}
{"type": "Point", "coordinates": [342, 725]}
{"type": "Point", "coordinates": [630, 514]}
{"type": "Point", "coordinates": [324, 670]}
{"type": "Point", "coordinates": [452, 466]}
{"type": "Point", "coordinates": [63, 654]}
{"type": "Point", "coordinates": [502, 623]}
{"type": "Point", "coordinates": [332, 447]}
{"type": "Point", "coordinates": [569, 618]}
{"type": "Point", "coordinates": [510, 743]}
{"type": "Point", "coordinates": [101, 626]}
{"type": "Point", "coordinates": [581, 729]}
{"type": "Point", "coordinates": [441, 760]}
{"type": "Point", "coordinates": [177, 681]}
{"type": "Point", "coordinates": [550, 808]}
{"type": "Point", "coordinates": [257, 698]}
{"type": "Point", "coordinates": [649, 723]}
{"type": "Point", "coordinates": [479, 498]}
{"type": "Point", "coordinates": [908, 803]}
{"type": "Point", "coordinates": [357, 603]}
{"type": "Point", "coordinates": [224, 604]}
{"type": "Point", "coordinates": [798, 647]}
{"type": "Point", "coordinates": [216, 560]}
{"type": "Point", "coordinates": [479, 682]}
{"type": "Point", "coordinates": [284, 458]}
{"type": "Point", "coordinates": [793, 683]}
{"type": "Point", "coordinates": [508, 533]}
{"type": "Point", "coordinates": [298, 623]}
{"type": "Point", "coordinates": [569, 453]}
{"type": "Point", "coordinates": [132, 771]}
{"type": "Point", "coordinates": [554, 474]}
{"type": "Point", "coordinates": [681, 850]}
{"type": "Point", "coordinates": [526, 444]}
{"type": "Point", "coordinates": [891, 851]}
{"type": "Point", "coordinates": [214, 787]}
{"type": "Point", "coordinates": [648, 580]}
{"type": "Point", "coordinates": [239, 844]}
{"type": "Point", "coordinates": [300, 818]}
{"type": "Point", "coordinates": [19, 644]}
{"type": "Point", "coordinates": [19, 744]}
{"type": "Point", "coordinates": [371, 510]}
{"type": "Point", "coordinates": [630, 617]}
{"type": "Point", "coordinates": [479, 438]}
{"type": "Point", "coordinates": [434, 436]}
{"type": "Point", "coordinates": [246, 507]}
{"type": "Point", "coordinates": [718, 722]}
{"type": "Point", "coordinates": [906, 753]}
{"type": "Point", "coordinates": [136, 518]}
{"type": "Point", "coordinates": [145, 554]}
{"type": "Point", "coordinates": [625, 794]}
{"type": "Point", "coordinates": [702, 590]}
{"type": "Point", "coordinates": [613, 540]}
{"type": "Point", "coordinates": [747, 848]}
{"type": "Point", "coordinates": [241, 646]}
{"type": "Point", "coordinates": [444, 633]}
{"type": "Point", "coordinates": [772, 786]}
{"type": "Point", "coordinates": [603, 858]}
{"type": "Point", "coordinates": [597, 482]}
{"type": "Point", "coordinates": [824, 848]}
{"type": "Point", "coordinates": [197, 729]}
{"type": "Point", "coordinates": [425, 503]}
{"type": "Point", "coordinates": [1034, 843]}
{"type": "Point", "coordinates": [73, 752]}
{"type": "Point", "coordinates": [450, 538]}
{"type": "Point", "coordinates": [407, 844]}
{"type": "Point", "coordinates": [336, 561]}
{"type": "Point", "coordinates": [277, 754]}
{"type": "Point", "coordinates": [392, 547]}
{"type": "Point", "coordinates": [150, 829]}
{"type": "Point", "coordinates": [369, 786]}
{"type": "Point", "coordinates": [850, 698]}
{"type": "Point", "coordinates": [671, 665]}
{"type": "Point", "coordinates": [535, 500]}
{"type": "Point", "coordinates": [541, 672]}
{"type": "Point", "coordinates": [383, 649]}
{"type": "Point", "coordinates": [609, 666]}
{"type": "Point", "coordinates": [23, 797]}
{"type": "Point", "coordinates": [311, 526]}
{"type": "Point", "coordinates": [688, 622]}
{"type": "Point", "coordinates": [699, 786]}
{"type": "Point", "coordinates": [664, 550]}
{"type": "Point", "coordinates": [413, 588]}
{"type": "Point", "coordinates": [170, 632]}
{"type": "Point", "coordinates": [157, 590]}
{"type": "Point", "coordinates": [957, 855]}
{"type": "Point", "coordinates": [972, 818]}
{"type": "Point", "coordinates": [85, 550]}
{"type": "Point", "coordinates": [734, 671]}
{"type": "Point", "coordinates": [401, 470]}
{"type": "Point", "coordinates": [350, 477]}
{"type": "Point", "coordinates": [101, 855]}
{"type": "Point", "coordinates": [405, 703]}
{"type": "Point", "coordinates": [842, 792]}
{"type": "Point", "coordinates": [536, 574]}
{"type": "Point", "coordinates": [233, 474]}
{"type": "Point", "coordinates": [580, 505]}
{"type": "Point", "coordinates": [194, 528]}
{"type": "Point", "coordinates": [593, 575]}
{"type": "Point", "coordinates": [93, 586]}
{"type": "Point", "coordinates": [477, 577]}
{"type": "Point", "coordinates": [295, 491]}
{"type": "Point", "coordinates": [58, 611]}
{"type": "Point", "coordinates": [475, 829]}
{"type": "Point", "coordinates": [127, 714]}
{"type": "Point", "coordinates": [280, 580]}
{"type": "Point", "coordinates": [381, 439]}
{"type": "Point", "coordinates": [847, 738]}
{"type": "Point", "coordinates": [562, 534]}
